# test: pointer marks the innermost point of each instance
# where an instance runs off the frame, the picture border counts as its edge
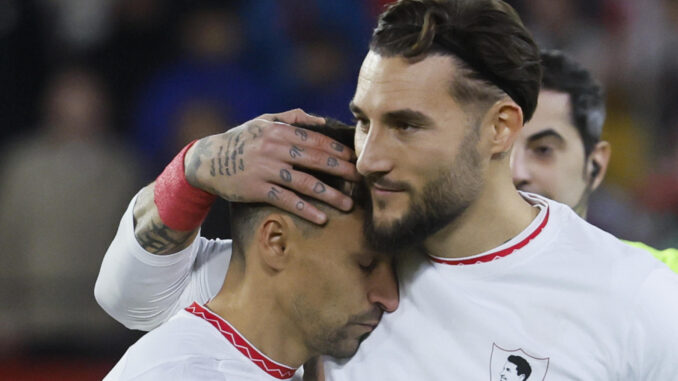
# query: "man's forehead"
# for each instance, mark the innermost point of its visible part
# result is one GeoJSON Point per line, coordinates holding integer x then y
{"type": "Point", "coordinates": [553, 113]}
{"type": "Point", "coordinates": [393, 83]}
{"type": "Point", "coordinates": [396, 71]}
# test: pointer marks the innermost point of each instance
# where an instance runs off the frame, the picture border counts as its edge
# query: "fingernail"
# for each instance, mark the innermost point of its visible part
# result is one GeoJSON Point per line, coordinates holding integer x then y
{"type": "Point", "coordinates": [347, 204]}
{"type": "Point", "coordinates": [320, 219]}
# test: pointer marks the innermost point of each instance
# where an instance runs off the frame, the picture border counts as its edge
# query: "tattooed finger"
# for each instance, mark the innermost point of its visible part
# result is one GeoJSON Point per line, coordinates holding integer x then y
{"type": "Point", "coordinates": [301, 134]}
{"type": "Point", "coordinates": [285, 175]}
{"type": "Point", "coordinates": [274, 194]}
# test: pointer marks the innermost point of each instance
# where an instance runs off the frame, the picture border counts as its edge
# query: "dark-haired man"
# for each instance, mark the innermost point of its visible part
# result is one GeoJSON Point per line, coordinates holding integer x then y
{"type": "Point", "coordinates": [441, 97]}
{"type": "Point", "coordinates": [294, 290]}
{"type": "Point", "coordinates": [559, 153]}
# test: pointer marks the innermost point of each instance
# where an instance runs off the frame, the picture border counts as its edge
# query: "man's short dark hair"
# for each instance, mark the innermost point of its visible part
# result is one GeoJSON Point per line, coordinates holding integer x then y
{"type": "Point", "coordinates": [587, 103]}
{"type": "Point", "coordinates": [493, 51]}
{"type": "Point", "coordinates": [523, 367]}
{"type": "Point", "coordinates": [245, 217]}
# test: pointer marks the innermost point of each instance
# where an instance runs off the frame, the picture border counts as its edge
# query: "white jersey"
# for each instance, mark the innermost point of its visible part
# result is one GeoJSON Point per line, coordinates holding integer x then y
{"type": "Point", "coordinates": [196, 344]}
{"type": "Point", "coordinates": [573, 302]}
{"type": "Point", "coordinates": [570, 300]}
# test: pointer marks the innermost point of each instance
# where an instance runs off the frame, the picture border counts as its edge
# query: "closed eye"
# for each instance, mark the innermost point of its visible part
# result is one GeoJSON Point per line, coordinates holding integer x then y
{"type": "Point", "coordinates": [369, 267]}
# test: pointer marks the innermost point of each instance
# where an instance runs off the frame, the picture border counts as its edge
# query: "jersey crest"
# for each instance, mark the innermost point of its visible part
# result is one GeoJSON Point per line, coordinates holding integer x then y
{"type": "Point", "coordinates": [516, 365]}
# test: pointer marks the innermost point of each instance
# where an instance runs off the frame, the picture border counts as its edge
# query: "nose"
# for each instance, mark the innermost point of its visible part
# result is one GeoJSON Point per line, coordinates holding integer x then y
{"type": "Point", "coordinates": [373, 154]}
{"type": "Point", "coordinates": [519, 169]}
{"type": "Point", "coordinates": [384, 288]}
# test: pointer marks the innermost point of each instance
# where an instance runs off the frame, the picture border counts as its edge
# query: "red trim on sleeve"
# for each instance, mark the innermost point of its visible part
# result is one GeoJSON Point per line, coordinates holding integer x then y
{"type": "Point", "coordinates": [274, 369]}
{"type": "Point", "coordinates": [497, 254]}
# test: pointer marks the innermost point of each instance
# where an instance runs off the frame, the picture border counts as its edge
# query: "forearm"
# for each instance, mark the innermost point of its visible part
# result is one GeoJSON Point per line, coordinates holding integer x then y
{"type": "Point", "coordinates": [151, 233]}
{"type": "Point", "coordinates": [140, 289]}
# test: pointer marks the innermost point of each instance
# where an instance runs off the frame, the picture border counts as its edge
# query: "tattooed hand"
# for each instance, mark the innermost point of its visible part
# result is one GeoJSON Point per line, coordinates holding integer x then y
{"type": "Point", "coordinates": [256, 161]}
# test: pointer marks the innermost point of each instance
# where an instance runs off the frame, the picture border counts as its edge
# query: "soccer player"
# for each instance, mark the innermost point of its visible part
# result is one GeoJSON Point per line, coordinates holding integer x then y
{"type": "Point", "coordinates": [490, 272]}
{"type": "Point", "coordinates": [559, 153]}
{"type": "Point", "coordinates": [294, 290]}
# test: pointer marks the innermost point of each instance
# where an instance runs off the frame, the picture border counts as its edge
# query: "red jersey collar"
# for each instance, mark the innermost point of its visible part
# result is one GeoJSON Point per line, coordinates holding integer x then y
{"type": "Point", "coordinates": [489, 257]}
{"type": "Point", "coordinates": [241, 344]}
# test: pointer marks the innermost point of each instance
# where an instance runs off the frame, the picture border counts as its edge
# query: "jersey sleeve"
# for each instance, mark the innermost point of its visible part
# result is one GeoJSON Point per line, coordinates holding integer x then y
{"type": "Point", "coordinates": [142, 290]}
{"type": "Point", "coordinates": [654, 332]}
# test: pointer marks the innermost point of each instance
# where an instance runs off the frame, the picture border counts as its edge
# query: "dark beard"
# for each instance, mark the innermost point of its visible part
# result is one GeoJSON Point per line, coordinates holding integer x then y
{"type": "Point", "coordinates": [441, 202]}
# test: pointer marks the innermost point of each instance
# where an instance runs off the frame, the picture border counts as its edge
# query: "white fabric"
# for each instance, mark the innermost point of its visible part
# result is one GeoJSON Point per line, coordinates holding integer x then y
{"type": "Point", "coordinates": [186, 348]}
{"type": "Point", "coordinates": [142, 290]}
{"type": "Point", "coordinates": [575, 302]}
{"type": "Point", "coordinates": [592, 307]}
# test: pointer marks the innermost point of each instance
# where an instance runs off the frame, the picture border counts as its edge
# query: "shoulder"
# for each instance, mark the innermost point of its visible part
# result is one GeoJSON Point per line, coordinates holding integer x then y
{"type": "Point", "coordinates": [189, 369]}
{"type": "Point", "coordinates": [185, 334]}
{"type": "Point", "coordinates": [578, 235]}
{"type": "Point", "coordinates": [183, 338]}
{"type": "Point", "coordinates": [212, 246]}
{"type": "Point", "coordinates": [668, 256]}
{"type": "Point", "coordinates": [595, 253]}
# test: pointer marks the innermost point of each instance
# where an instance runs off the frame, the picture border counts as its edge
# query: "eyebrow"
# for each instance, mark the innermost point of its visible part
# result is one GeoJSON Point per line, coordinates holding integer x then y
{"type": "Point", "coordinates": [407, 115]}
{"type": "Point", "coordinates": [546, 133]}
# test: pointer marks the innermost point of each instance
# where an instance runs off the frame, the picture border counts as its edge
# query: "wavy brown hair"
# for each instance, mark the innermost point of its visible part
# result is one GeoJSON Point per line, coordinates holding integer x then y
{"type": "Point", "coordinates": [493, 52]}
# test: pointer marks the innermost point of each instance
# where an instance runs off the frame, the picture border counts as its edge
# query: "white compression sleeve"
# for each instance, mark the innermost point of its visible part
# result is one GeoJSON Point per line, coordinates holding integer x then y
{"type": "Point", "coordinates": [142, 290]}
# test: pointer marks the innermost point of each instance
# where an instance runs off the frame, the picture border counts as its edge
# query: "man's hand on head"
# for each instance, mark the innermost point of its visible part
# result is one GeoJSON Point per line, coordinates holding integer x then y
{"type": "Point", "coordinates": [258, 161]}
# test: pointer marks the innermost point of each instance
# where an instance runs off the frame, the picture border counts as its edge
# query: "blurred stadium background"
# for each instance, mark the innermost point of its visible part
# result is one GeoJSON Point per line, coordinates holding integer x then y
{"type": "Point", "coordinates": [97, 95]}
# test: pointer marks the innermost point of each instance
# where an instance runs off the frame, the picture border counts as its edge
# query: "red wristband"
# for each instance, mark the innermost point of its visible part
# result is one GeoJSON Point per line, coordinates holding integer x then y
{"type": "Point", "coordinates": [181, 206]}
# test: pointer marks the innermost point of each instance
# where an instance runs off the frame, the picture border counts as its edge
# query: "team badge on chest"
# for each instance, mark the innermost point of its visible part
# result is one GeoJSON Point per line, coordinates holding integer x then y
{"type": "Point", "coordinates": [516, 365]}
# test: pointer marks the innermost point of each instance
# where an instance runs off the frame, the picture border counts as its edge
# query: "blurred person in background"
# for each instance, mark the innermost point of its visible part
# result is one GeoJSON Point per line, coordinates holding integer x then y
{"type": "Point", "coordinates": [60, 194]}
{"type": "Point", "coordinates": [559, 153]}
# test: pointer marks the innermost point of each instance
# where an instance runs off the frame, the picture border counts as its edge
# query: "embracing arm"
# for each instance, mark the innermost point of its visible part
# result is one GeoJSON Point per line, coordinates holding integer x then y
{"type": "Point", "coordinates": [141, 290]}
{"type": "Point", "coordinates": [151, 270]}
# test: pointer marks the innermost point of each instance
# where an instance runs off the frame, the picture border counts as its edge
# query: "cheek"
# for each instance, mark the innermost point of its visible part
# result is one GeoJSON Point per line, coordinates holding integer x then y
{"type": "Point", "coordinates": [566, 179]}
{"type": "Point", "coordinates": [330, 282]}
{"type": "Point", "coordinates": [427, 165]}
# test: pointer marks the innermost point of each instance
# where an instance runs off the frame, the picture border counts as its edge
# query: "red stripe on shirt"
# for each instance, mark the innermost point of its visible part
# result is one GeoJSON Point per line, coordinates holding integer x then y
{"type": "Point", "coordinates": [497, 254]}
{"type": "Point", "coordinates": [233, 336]}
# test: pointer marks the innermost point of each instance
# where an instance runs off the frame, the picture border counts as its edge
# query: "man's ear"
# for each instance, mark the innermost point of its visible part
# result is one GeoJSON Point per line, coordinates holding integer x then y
{"type": "Point", "coordinates": [506, 119]}
{"type": "Point", "coordinates": [273, 238]}
{"type": "Point", "coordinates": [597, 163]}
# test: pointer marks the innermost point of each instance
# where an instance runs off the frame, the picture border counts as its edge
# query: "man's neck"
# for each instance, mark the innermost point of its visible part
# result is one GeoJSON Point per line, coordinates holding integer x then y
{"type": "Point", "coordinates": [497, 216]}
{"type": "Point", "coordinates": [250, 307]}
